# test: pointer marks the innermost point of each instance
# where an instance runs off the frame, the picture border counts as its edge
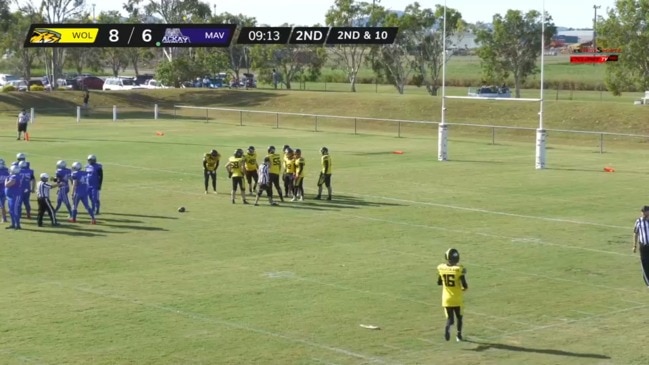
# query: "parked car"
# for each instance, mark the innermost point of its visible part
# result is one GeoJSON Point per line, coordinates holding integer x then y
{"type": "Point", "coordinates": [142, 79]}
{"type": "Point", "coordinates": [20, 85]}
{"type": "Point", "coordinates": [154, 84]}
{"type": "Point", "coordinates": [491, 92]}
{"type": "Point", "coordinates": [249, 80]}
{"type": "Point", "coordinates": [88, 83]}
{"type": "Point", "coordinates": [120, 83]}
{"type": "Point", "coordinates": [5, 78]}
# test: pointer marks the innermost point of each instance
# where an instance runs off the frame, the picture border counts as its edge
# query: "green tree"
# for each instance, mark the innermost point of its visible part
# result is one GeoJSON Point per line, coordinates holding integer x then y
{"type": "Point", "coordinates": [136, 56]}
{"type": "Point", "coordinates": [513, 46]}
{"type": "Point", "coordinates": [5, 15]}
{"type": "Point", "coordinates": [22, 59]}
{"type": "Point", "coordinates": [424, 28]}
{"type": "Point", "coordinates": [349, 58]}
{"type": "Point", "coordinates": [396, 62]}
{"type": "Point", "coordinates": [290, 62]}
{"type": "Point", "coordinates": [114, 58]}
{"type": "Point", "coordinates": [237, 56]}
{"type": "Point", "coordinates": [177, 11]}
{"type": "Point", "coordinates": [176, 71]}
{"type": "Point", "coordinates": [627, 27]}
{"type": "Point", "coordinates": [82, 58]}
{"type": "Point", "coordinates": [54, 12]}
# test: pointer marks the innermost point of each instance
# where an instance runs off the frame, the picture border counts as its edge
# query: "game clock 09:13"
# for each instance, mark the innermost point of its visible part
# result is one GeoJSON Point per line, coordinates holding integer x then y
{"type": "Point", "coordinates": [264, 35]}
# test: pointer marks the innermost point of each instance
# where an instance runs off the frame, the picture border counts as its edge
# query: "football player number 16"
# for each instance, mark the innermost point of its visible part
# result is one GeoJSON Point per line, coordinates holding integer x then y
{"type": "Point", "coordinates": [449, 279]}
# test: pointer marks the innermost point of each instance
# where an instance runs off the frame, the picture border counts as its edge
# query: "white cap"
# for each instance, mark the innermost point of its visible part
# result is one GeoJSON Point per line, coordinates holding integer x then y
{"type": "Point", "coordinates": [45, 176]}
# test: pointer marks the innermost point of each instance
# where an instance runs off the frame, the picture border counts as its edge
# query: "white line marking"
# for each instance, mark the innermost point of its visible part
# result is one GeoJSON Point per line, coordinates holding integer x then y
{"type": "Point", "coordinates": [507, 238]}
{"type": "Point", "coordinates": [322, 361]}
{"type": "Point", "coordinates": [231, 324]}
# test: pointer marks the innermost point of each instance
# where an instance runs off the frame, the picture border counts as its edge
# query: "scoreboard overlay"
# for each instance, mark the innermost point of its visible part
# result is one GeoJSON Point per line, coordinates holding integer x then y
{"type": "Point", "coordinates": [198, 35]}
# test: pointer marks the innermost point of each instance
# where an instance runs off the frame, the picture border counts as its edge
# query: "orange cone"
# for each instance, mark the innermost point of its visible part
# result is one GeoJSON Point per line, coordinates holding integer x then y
{"type": "Point", "coordinates": [609, 169]}
{"type": "Point", "coordinates": [26, 136]}
{"type": "Point", "coordinates": [398, 152]}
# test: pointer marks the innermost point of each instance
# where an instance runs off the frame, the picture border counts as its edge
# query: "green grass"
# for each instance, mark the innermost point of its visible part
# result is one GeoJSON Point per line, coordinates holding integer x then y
{"type": "Point", "coordinates": [551, 274]}
{"type": "Point", "coordinates": [592, 111]}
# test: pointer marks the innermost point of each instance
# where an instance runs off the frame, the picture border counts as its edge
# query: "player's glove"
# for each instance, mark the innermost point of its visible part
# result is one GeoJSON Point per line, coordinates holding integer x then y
{"type": "Point", "coordinates": [229, 174]}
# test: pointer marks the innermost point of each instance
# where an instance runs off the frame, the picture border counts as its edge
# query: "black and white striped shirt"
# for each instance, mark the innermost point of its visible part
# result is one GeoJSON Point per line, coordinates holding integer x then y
{"type": "Point", "coordinates": [642, 230]}
{"type": "Point", "coordinates": [264, 177]}
{"type": "Point", "coordinates": [43, 190]}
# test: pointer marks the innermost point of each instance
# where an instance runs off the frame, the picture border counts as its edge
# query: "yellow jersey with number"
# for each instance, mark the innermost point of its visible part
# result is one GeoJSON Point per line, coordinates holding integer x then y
{"type": "Point", "coordinates": [275, 164]}
{"type": "Point", "coordinates": [251, 161]}
{"type": "Point", "coordinates": [236, 166]}
{"type": "Point", "coordinates": [451, 277]}
{"type": "Point", "coordinates": [210, 162]}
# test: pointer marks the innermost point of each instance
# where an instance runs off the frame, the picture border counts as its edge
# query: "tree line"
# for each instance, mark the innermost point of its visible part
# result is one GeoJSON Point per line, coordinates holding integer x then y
{"type": "Point", "coordinates": [509, 49]}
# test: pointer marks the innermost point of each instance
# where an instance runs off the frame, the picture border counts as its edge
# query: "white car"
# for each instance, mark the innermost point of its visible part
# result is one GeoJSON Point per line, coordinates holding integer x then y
{"type": "Point", "coordinates": [154, 84]}
{"type": "Point", "coordinates": [20, 85]}
{"type": "Point", "coordinates": [5, 78]}
{"type": "Point", "coordinates": [120, 83]}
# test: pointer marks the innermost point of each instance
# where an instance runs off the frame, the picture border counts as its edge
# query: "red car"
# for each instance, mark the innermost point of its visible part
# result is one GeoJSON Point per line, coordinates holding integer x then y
{"type": "Point", "coordinates": [89, 82]}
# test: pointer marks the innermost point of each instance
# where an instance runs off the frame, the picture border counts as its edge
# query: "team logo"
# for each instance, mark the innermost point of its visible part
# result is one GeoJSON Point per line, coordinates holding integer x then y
{"type": "Point", "coordinates": [45, 36]}
{"type": "Point", "coordinates": [174, 35]}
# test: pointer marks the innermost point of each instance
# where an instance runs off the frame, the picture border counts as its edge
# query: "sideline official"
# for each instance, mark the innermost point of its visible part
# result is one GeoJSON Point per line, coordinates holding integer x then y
{"type": "Point", "coordinates": [641, 239]}
{"type": "Point", "coordinates": [44, 203]}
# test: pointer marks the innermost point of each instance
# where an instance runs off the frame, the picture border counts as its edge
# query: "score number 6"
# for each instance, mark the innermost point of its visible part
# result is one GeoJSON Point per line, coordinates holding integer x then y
{"type": "Point", "coordinates": [146, 35]}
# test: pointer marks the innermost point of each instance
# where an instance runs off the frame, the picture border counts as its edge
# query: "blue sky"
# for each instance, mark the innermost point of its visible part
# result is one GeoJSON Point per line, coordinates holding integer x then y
{"type": "Point", "coordinates": [572, 13]}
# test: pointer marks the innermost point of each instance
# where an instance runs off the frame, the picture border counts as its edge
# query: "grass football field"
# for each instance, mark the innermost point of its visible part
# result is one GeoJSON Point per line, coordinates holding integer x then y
{"type": "Point", "coordinates": [551, 274]}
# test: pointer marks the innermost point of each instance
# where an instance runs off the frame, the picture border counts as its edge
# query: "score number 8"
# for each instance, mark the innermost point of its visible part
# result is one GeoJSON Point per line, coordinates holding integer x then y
{"type": "Point", "coordinates": [113, 35]}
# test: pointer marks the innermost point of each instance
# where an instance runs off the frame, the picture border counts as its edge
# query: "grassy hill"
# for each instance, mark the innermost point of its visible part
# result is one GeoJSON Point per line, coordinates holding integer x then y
{"type": "Point", "coordinates": [606, 115]}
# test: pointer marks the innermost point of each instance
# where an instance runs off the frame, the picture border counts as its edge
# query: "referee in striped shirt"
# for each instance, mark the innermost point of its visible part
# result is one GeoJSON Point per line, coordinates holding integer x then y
{"type": "Point", "coordinates": [44, 203]}
{"type": "Point", "coordinates": [264, 182]}
{"type": "Point", "coordinates": [641, 238]}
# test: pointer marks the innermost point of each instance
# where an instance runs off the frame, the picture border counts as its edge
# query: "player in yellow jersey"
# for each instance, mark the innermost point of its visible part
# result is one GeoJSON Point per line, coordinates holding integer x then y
{"type": "Point", "coordinates": [289, 172]}
{"type": "Point", "coordinates": [274, 170]}
{"type": "Point", "coordinates": [251, 169]}
{"type": "Point", "coordinates": [325, 173]}
{"type": "Point", "coordinates": [211, 162]}
{"type": "Point", "coordinates": [298, 181]}
{"type": "Point", "coordinates": [236, 172]}
{"type": "Point", "coordinates": [452, 276]}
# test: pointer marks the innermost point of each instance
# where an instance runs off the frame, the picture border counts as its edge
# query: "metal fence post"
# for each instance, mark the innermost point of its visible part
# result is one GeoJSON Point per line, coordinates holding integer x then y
{"type": "Point", "coordinates": [114, 113]}
{"type": "Point", "coordinates": [241, 118]}
{"type": "Point", "coordinates": [355, 122]}
{"type": "Point", "coordinates": [78, 114]}
{"type": "Point", "coordinates": [175, 112]}
{"type": "Point", "coordinates": [155, 111]}
{"type": "Point", "coordinates": [31, 115]}
{"type": "Point", "coordinates": [316, 123]}
{"type": "Point", "coordinates": [493, 135]}
{"type": "Point", "coordinates": [207, 115]}
{"type": "Point", "coordinates": [399, 129]}
{"type": "Point", "coordinates": [601, 143]}
{"type": "Point", "coordinates": [277, 120]}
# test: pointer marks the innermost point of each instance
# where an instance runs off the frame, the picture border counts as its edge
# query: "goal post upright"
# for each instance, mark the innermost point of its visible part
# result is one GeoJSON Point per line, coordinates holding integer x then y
{"type": "Point", "coordinates": [442, 128]}
{"type": "Point", "coordinates": [541, 133]}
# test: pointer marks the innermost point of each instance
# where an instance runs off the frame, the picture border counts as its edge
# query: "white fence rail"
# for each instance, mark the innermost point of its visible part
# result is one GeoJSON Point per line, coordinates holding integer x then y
{"type": "Point", "coordinates": [398, 122]}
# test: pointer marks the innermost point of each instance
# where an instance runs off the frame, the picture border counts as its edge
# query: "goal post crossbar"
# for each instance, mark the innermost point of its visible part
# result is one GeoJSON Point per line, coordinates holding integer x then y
{"type": "Point", "coordinates": [493, 98]}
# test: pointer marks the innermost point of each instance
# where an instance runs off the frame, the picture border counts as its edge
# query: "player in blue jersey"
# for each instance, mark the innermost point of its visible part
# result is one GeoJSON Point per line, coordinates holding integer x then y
{"type": "Point", "coordinates": [21, 157]}
{"type": "Point", "coordinates": [95, 179]}
{"type": "Point", "coordinates": [28, 185]}
{"type": "Point", "coordinates": [80, 192]}
{"type": "Point", "coordinates": [4, 174]}
{"type": "Point", "coordinates": [62, 179]}
{"type": "Point", "coordinates": [14, 193]}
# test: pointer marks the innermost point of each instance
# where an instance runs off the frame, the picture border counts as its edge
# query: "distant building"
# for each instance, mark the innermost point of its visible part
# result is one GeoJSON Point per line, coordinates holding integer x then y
{"type": "Point", "coordinates": [575, 36]}
{"type": "Point", "coordinates": [466, 40]}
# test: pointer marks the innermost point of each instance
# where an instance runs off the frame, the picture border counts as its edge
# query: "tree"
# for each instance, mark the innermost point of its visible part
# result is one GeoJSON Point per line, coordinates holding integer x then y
{"type": "Point", "coordinates": [349, 13]}
{"type": "Point", "coordinates": [289, 61]}
{"type": "Point", "coordinates": [5, 15]}
{"type": "Point", "coordinates": [115, 58]}
{"type": "Point", "coordinates": [426, 32]}
{"type": "Point", "coordinates": [81, 58]}
{"type": "Point", "coordinates": [54, 12]}
{"type": "Point", "coordinates": [627, 27]}
{"type": "Point", "coordinates": [235, 57]}
{"type": "Point", "coordinates": [23, 58]}
{"type": "Point", "coordinates": [513, 46]}
{"type": "Point", "coordinates": [395, 61]}
{"type": "Point", "coordinates": [176, 11]}
{"type": "Point", "coordinates": [178, 70]}
{"type": "Point", "coordinates": [136, 56]}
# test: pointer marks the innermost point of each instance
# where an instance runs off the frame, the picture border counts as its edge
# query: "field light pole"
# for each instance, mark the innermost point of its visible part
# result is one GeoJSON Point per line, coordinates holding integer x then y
{"type": "Point", "coordinates": [541, 133]}
{"type": "Point", "coordinates": [442, 131]}
{"type": "Point", "coordinates": [595, 7]}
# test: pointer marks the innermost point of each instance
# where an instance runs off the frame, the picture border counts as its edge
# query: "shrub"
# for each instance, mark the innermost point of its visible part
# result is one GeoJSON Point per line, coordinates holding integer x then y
{"type": "Point", "coordinates": [8, 88]}
{"type": "Point", "coordinates": [36, 88]}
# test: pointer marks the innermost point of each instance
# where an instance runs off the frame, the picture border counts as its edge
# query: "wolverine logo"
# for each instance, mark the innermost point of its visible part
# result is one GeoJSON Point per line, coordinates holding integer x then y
{"type": "Point", "coordinates": [45, 36]}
